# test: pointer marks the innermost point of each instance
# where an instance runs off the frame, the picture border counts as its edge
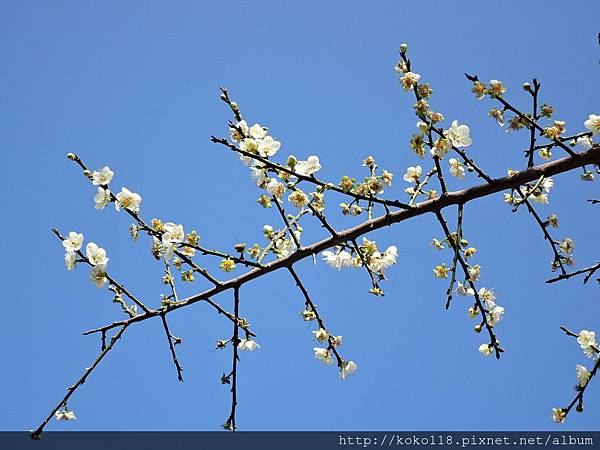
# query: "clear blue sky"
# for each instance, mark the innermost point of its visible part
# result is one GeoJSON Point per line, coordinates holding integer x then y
{"type": "Point", "coordinates": [135, 85]}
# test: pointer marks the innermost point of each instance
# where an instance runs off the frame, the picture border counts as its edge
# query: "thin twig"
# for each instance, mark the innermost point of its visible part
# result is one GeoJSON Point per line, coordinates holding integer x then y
{"type": "Point", "coordinates": [35, 434]}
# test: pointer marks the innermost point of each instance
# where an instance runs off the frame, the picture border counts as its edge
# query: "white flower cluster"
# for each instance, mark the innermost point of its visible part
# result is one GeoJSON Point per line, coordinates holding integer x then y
{"type": "Point", "coordinates": [593, 123]}
{"type": "Point", "coordinates": [254, 140]}
{"type": "Point", "coordinates": [124, 199]}
{"type": "Point", "coordinates": [587, 341]}
{"type": "Point", "coordinates": [494, 313]}
{"type": "Point", "coordinates": [457, 169]}
{"type": "Point", "coordinates": [376, 260]}
{"type": "Point", "coordinates": [94, 255]}
{"type": "Point", "coordinates": [459, 135]}
{"type": "Point", "coordinates": [281, 245]}
{"type": "Point", "coordinates": [65, 414]}
{"type": "Point", "coordinates": [172, 236]}
{"type": "Point", "coordinates": [538, 192]}
{"type": "Point", "coordinates": [326, 355]}
{"type": "Point", "coordinates": [248, 345]}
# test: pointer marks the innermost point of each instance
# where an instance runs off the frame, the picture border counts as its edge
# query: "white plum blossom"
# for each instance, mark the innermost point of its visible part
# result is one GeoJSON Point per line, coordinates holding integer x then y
{"type": "Point", "coordinates": [474, 272]}
{"type": "Point", "coordinates": [285, 247]}
{"type": "Point", "coordinates": [248, 345]}
{"type": "Point", "coordinates": [128, 200]}
{"type": "Point", "coordinates": [308, 167]}
{"type": "Point", "coordinates": [96, 255]}
{"type": "Point", "coordinates": [337, 260]}
{"type": "Point", "coordinates": [413, 173]}
{"type": "Point", "coordinates": [336, 341]}
{"type": "Point", "coordinates": [165, 248]}
{"type": "Point", "coordinates": [462, 289]}
{"type": "Point", "coordinates": [440, 148]}
{"type": "Point", "coordinates": [585, 142]}
{"type": "Point", "coordinates": [587, 342]}
{"type": "Point", "coordinates": [380, 261]}
{"type": "Point", "coordinates": [268, 147]}
{"type": "Point", "coordinates": [258, 173]}
{"type": "Point", "coordinates": [102, 177]}
{"type": "Point", "coordinates": [567, 245]}
{"type": "Point", "coordinates": [98, 275]}
{"type": "Point", "coordinates": [173, 233]}
{"type": "Point", "coordinates": [258, 132]}
{"type": "Point", "coordinates": [275, 188]}
{"type": "Point", "coordinates": [321, 335]}
{"type": "Point", "coordinates": [65, 415]}
{"type": "Point", "coordinates": [593, 123]}
{"type": "Point", "coordinates": [348, 368]}
{"type": "Point", "coordinates": [488, 296]}
{"type": "Point", "coordinates": [73, 242]}
{"type": "Point", "coordinates": [583, 375]}
{"type": "Point", "coordinates": [324, 355]}
{"type": "Point", "coordinates": [70, 260]}
{"type": "Point", "coordinates": [298, 198]}
{"type": "Point", "coordinates": [248, 145]}
{"type": "Point", "coordinates": [541, 198]}
{"type": "Point", "coordinates": [422, 127]}
{"type": "Point", "coordinates": [558, 415]}
{"type": "Point", "coordinates": [457, 169]}
{"type": "Point", "coordinates": [459, 135]}
{"type": "Point", "coordinates": [102, 198]}
{"type": "Point", "coordinates": [541, 195]}
{"type": "Point", "coordinates": [387, 177]}
{"type": "Point", "coordinates": [235, 135]}
{"type": "Point", "coordinates": [485, 349]}
{"type": "Point", "coordinates": [496, 314]}
{"type": "Point", "coordinates": [409, 80]}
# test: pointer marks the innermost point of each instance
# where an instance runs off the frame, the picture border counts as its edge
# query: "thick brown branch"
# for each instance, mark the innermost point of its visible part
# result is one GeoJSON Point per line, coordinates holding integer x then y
{"type": "Point", "coordinates": [591, 156]}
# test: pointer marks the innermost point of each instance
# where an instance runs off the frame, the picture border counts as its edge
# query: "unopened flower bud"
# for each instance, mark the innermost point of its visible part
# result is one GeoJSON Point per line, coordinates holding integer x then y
{"type": "Point", "coordinates": [72, 156]}
{"type": "Point", "coordinates": [292, 161]}
{"type": "Point", "coordinates": [234, 106]}
{"type": "Point", "coordinates": [403, 48]}
{"type": "Point", "coordinates": [478, 328]}
{"type": "Point", "coordinates": [526, 87]}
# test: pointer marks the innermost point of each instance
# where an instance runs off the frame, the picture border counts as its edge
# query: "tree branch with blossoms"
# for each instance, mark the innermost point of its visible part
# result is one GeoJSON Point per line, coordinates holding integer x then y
{"type": "Point", "coordinates": [292, 186]}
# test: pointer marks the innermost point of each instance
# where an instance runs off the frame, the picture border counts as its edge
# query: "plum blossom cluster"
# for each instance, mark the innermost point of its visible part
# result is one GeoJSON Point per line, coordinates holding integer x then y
{"type": "Point", "coordinates": [254, 140]}
{"type": "Point", "coordinates": [538, 192]}
{"type": "Point", "coordinates": [365, 255]}
{"type": "Point", "coordinates": [371, 186]}
{"type": "Point", "coordinates": [94, 255]}
{"type": "Point", "coordinates": [587, 341]}
{"type": "Point", "coordinates": [329, 353]}
{"type": "Point", "coordinates": [438, 140]}
{"type": "Point", "coordinates": [125, 199]}
{"type": "Point", "coordinates": [369, 253]}
{"type": "Point", "coordinates": [280, 242]}
{"type": "Point", "coordinates": [254, 143]}
{"type": "Point", "coordinates": [65, 414]}
{"type": "Point", "coordinates": [484, 299]}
